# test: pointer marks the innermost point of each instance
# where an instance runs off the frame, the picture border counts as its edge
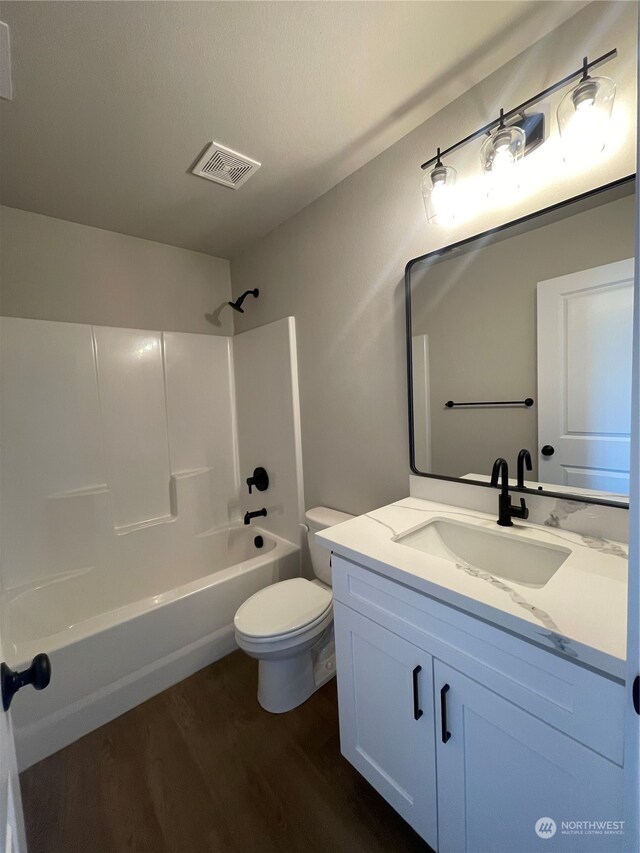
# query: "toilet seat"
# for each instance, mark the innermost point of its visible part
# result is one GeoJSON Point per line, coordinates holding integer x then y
{"type": "Point", "coordinates": [283, 610]}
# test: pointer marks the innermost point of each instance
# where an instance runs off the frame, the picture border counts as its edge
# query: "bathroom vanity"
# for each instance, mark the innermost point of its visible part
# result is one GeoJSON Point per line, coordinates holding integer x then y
{"type": "Point", "coordinates": [481, 676]}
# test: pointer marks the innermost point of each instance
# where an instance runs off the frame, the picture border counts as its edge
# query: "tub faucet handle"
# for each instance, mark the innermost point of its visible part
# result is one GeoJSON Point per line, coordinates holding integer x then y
{"type": "Point", "coordinates": [259, 479]}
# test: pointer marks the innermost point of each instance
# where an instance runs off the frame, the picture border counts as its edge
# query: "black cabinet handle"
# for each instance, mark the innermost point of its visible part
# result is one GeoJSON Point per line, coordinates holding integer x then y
{"type": "Point", "coordinates": [38, 674]}
{"type": "Point", "coordinates": [417, 711]}
{"type": "Point", "coordinates": [548, 450]}
{"type": "Point", "coordinates": [446, 734]}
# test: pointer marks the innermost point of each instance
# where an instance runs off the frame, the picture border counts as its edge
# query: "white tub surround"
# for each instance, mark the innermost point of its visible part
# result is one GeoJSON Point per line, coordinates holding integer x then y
{"type": "Point", "coordinates": [579, 613]}
{"type": "Point", "coordinates": [104, 432]}
{"type": "Point", "coordinates": [268, 423]}
{"type": "Point", "coordinates": [488, 712]}
{"type": "Point", "coordinates": [123, 487]}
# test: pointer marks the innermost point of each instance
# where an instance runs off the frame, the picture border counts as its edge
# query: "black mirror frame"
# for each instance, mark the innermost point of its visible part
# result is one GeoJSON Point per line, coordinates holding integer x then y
{"type": "Point", "coordinates": [621, 182]}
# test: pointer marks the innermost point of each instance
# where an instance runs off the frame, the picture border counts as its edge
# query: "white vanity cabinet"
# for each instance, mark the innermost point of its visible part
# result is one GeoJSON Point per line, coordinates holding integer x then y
{"type": "Point", "coordinates": [501, 770]}
{"type": "Point", "coordinates": [387, 716]}
{"type": "Point", "coordinates": [508, 733]}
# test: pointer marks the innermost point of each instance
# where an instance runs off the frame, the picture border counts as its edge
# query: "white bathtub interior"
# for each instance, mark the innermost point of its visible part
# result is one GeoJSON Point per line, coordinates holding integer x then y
{"type": "Point", "coordinates": [69, 606]}
{"type": "Point", "coordinates": [122, 497]}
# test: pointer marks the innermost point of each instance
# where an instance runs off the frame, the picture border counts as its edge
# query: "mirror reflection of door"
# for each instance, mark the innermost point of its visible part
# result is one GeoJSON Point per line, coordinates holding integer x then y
{"type": "Point", "coordinates": [584, 378]}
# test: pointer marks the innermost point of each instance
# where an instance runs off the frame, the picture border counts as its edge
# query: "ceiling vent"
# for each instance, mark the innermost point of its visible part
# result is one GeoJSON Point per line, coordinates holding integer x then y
{"type": "Point", "coordinates": [225, 166]}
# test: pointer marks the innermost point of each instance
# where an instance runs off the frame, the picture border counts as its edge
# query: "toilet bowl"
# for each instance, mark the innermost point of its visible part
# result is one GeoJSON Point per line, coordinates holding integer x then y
{"type": "Point", "coordinates": [288, 627]}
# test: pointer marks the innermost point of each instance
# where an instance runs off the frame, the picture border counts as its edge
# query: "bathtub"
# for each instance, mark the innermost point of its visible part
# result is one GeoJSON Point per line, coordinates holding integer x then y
{"type": "Point", "coordinates": [109, 653]}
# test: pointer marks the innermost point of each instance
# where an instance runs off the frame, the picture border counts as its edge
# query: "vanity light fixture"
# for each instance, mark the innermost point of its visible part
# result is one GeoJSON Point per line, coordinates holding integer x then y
{"type": "Point", "coordinates": [583, 115]}
{"type": "Point", "coordinates": [438, 193]}
{"type": "Point", "coordinates": [500, 155]}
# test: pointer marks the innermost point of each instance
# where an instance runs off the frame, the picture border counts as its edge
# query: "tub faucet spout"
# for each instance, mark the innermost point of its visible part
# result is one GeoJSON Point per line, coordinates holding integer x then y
{"type": "Point", "coordinates": [249, 515]}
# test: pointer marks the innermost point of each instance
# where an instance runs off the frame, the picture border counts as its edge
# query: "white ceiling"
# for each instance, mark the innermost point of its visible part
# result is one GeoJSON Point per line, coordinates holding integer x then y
{"type": "Point", "coordinates": [115, 101]}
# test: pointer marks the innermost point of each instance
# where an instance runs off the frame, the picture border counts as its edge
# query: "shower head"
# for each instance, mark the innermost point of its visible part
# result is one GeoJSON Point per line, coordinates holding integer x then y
{"type": "Point", "coordinates": [237, 305]}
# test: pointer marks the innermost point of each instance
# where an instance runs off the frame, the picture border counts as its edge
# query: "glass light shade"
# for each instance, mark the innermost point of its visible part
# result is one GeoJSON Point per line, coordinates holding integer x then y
{"type": "Point", "coordinates": [499, 155]}
{"type": "Point", "coordinates": [438, 193]}
{"type": "Point", "coordinates": [583, 118]}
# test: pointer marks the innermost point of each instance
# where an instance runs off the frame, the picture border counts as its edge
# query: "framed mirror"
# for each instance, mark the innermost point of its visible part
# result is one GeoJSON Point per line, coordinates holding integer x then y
{"type": "Point", "coordinates": [521, 337]}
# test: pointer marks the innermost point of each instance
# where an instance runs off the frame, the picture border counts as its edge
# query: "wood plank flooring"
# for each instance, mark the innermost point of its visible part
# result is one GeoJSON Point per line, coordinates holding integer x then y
{"type": "Point", "coordinates": [201, 767]}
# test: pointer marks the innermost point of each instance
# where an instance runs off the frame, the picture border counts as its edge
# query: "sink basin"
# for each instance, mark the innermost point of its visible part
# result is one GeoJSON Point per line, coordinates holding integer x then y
{"type": "Point", "coordinates": [504, 555]}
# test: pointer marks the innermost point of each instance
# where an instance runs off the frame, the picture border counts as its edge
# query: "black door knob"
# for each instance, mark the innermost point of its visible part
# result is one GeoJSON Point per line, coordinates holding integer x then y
{"type": "Point", "coordinates": [38, 674]}
{"type": "Point", "coordinates": [548, 450]}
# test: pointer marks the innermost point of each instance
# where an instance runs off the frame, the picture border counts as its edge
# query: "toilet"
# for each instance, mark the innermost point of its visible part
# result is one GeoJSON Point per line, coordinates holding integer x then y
{"type": "Point", "coordinates": [288, 627]}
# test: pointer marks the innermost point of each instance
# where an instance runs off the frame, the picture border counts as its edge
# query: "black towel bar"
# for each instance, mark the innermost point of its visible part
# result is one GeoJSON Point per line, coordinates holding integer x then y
{"type": "Point", "coordinates": [528, 402]}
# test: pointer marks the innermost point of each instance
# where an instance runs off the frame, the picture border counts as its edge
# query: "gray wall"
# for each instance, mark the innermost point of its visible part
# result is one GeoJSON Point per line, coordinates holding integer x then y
{"type": "Point", "coordinates": [51, 269]}
{"type": "Point", "coordinates": [337, 266]}
{"type": "Point", "coordinates": [479, 311]}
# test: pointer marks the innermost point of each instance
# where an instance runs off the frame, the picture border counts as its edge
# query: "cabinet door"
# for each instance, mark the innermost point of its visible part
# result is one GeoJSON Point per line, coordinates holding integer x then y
{"type": "Point", "coordinates": [500, 771]}
{"type": "Point", "coordinates": [385, 687]}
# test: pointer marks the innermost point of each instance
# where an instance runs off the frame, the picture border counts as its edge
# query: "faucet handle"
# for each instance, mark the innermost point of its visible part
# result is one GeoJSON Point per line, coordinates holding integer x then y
{"type": "Point", "coordinates": [259, 479]}
{"type": "Point", "coordinates": [523, 512]}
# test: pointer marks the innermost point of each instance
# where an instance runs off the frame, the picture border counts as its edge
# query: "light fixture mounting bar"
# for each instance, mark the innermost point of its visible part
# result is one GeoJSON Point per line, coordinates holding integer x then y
{"type": "Point", "coordinates": [585, 67]}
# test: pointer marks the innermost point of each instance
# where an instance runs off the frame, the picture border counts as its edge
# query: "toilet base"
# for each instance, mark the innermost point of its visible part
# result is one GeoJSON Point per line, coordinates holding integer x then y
{"type": "Point", "coordinates": [285, 683]}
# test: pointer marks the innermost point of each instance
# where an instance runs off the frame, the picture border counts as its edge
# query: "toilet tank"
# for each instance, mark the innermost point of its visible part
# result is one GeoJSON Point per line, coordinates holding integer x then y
{"type": "Point", "coordinates": [319, 518]}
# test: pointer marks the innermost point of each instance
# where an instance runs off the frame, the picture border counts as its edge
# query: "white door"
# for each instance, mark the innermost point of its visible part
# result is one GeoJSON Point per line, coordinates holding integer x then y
{"type": "Point", "coordinates": [509, 782]}
{"type": "Point", "coordinates": [385, 688]}
{"type": "Point", "coordinates": [585, 334]}
{"type": "Point", "coordinates": [11, 823]}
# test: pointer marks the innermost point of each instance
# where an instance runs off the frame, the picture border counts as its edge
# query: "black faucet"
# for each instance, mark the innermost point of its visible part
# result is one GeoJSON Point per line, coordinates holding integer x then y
{"type": "Point", "coordinates": [524, 458]}
{"type": "Point", "coordinates": [249, 515]}
{"type": "Point", "coordinates": [506, 511]}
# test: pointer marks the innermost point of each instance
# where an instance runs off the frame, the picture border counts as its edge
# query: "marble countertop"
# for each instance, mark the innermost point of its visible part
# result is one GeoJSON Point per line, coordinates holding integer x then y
{"type": "Point", "coordinates": [580, 613]}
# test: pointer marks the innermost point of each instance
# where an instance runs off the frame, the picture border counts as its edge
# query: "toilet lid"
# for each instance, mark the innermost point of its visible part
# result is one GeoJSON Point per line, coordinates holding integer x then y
{"type": "Point", "coordinates": [282, 608]}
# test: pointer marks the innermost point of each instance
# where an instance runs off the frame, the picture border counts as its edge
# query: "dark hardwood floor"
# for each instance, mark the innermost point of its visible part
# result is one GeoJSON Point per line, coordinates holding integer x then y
{"type": "Point", "coordinates": [201, 767]}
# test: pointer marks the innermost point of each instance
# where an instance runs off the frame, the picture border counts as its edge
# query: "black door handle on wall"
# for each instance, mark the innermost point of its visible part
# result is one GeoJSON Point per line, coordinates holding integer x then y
{"type": "Point", "coordinates": [417, 711]}
{"type": "Point", "coordinates": [38, 674]}
{"type": "Point", "coordinates": [548, 450]}
{"type": "Point", "coordinates": [446, 734]}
